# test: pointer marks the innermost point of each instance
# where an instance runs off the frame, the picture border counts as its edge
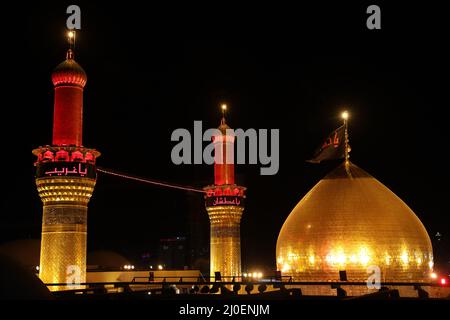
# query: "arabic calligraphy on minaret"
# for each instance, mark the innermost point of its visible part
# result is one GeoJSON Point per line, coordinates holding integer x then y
{"type": "Point", "coordinates": [224, 203]}
{"type": "Point", "coordinates": [65, 179]}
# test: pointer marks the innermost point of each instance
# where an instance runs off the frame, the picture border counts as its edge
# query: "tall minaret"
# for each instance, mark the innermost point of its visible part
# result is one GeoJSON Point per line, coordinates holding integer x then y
{"type": "Point", "coordinates": [65, 179]}
{"type": "Point", "coordinates": [225, 203]}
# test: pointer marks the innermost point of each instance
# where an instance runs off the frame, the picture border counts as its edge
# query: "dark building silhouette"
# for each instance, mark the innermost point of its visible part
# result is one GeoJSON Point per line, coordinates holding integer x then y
{"type": "Point", "coordinates": [173, 253]}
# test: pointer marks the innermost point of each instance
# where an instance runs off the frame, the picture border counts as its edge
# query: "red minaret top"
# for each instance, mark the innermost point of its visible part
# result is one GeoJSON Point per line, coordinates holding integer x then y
{"type": "Point", "coordinates": [69, 79]}
{"type": "Point", "coordinates": [67, 156]}
{"type": "Point", "coordinates": [224, 192]}
{"type": "Point", "coordinates": [224, 168]}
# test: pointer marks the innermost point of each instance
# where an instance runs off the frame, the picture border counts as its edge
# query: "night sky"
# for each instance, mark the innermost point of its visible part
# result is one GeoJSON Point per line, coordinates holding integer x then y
{"type": "Point", "coordinates": [154, 69]}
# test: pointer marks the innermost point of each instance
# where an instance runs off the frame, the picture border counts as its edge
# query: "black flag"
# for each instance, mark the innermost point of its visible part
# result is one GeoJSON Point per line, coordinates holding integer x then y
{"type": "Point", "coordinates": [332, 148]}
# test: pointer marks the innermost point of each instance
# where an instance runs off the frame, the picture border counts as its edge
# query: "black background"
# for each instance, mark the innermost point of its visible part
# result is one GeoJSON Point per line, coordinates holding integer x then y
{"type": "Point", "coordinates": [153, 68]}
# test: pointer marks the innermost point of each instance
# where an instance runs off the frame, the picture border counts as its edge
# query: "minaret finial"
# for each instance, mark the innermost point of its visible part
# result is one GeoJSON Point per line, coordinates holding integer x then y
{"type": "Point", "coordinates": [71, 36]}
{"type": "Point", "coordinates": [224, 109]}
{"type": "Point", "coordinates": [345, 116]}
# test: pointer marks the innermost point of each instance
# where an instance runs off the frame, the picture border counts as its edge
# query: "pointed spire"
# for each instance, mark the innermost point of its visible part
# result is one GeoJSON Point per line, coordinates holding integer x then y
{"type": "Point", "coordinates": [224, 110]}
{"type": "Point", "coordinates": [223, 124]}
{"type": "Point", "coordinates": [71, 36]}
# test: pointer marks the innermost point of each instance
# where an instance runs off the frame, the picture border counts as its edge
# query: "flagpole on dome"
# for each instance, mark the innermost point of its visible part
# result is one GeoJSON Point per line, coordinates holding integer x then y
{"type": "Point", "coordinates": [336, 145]}
{"type": "Point", "coordinates": [345, 116]}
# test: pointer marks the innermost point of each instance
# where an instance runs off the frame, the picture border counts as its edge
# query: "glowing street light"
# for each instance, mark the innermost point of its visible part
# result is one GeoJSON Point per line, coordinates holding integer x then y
{"type": "Point", "coordinates": [160, 267]}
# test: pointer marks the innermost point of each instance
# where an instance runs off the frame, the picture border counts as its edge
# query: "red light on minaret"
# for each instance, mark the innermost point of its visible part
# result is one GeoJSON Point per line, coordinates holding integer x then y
{"type": "Point", "coordinates": [224, 169]}
{"type": "Point", "coordinates": [69, 79]}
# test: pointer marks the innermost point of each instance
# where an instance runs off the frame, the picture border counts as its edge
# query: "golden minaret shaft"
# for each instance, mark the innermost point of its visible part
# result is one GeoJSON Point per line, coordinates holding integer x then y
{"type": "Point", "coordinates": [65, 180]}
{"type": "Point", "coordinates": [225, 205]}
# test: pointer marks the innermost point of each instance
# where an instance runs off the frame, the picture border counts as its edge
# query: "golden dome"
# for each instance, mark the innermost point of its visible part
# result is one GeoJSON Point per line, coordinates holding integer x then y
{"type": "Point", "coordinates": [350, 221]}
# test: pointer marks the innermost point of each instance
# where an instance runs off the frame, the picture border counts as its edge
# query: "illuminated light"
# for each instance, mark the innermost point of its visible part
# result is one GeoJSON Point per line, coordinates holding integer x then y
{"type": "Point", "coordinates": [353, 258]}
{"type": "Point", "coordinates": [419, 261]}
{"type": "Point", "coordinates": [286, 267]}
{"type": "Point", "coordinates": [260, 275]}
{"type": "Point", "coordinates": [311, 259]}
{"type": "Point", "coordinates": [254, 275]}
{"type": "Point", "coordinates": [443, 281]}
{"type": "Point", "coordinates": [364, 259]}
{"type": "Point", "coordinates": [388, 259]}
{"type": "Point", "coordinates": [292, 256]}
{"type": "Point", "coordinates": [37, 268]}
{"type": "Point", "coordinates": [245, 275]}
{"type": "Point", "coordinates": [330, 258]}
{"type": "Point", "coordinates": [344, 115]}
{"type": "Point", "coordinates": [341, 258]}
{"type": "Point", "coordinates": [338, 258]}
{"type": "Point", "coordinates": [132, 267]}
{"type": "Point", "coordinates": [404, 257]}
{"type": "Point", "coordinates": [364, 256]}
{"type": "Point", "coordinates": [70, 34]}
{"type": "Point", "coordinates": [433, 275]}
{"type": "Point", "coordinates": [151, 267]}
{"type": "Point", "coordinates": [160, 267]}
{"type": "Point", "coordinates": [224, 107]}
{"type": "Point", "coordinates": [431, 265]}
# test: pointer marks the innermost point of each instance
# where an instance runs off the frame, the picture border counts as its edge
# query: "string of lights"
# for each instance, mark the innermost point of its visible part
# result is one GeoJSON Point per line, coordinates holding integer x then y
{"type": "Point", "coordinates": [149, 181]}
